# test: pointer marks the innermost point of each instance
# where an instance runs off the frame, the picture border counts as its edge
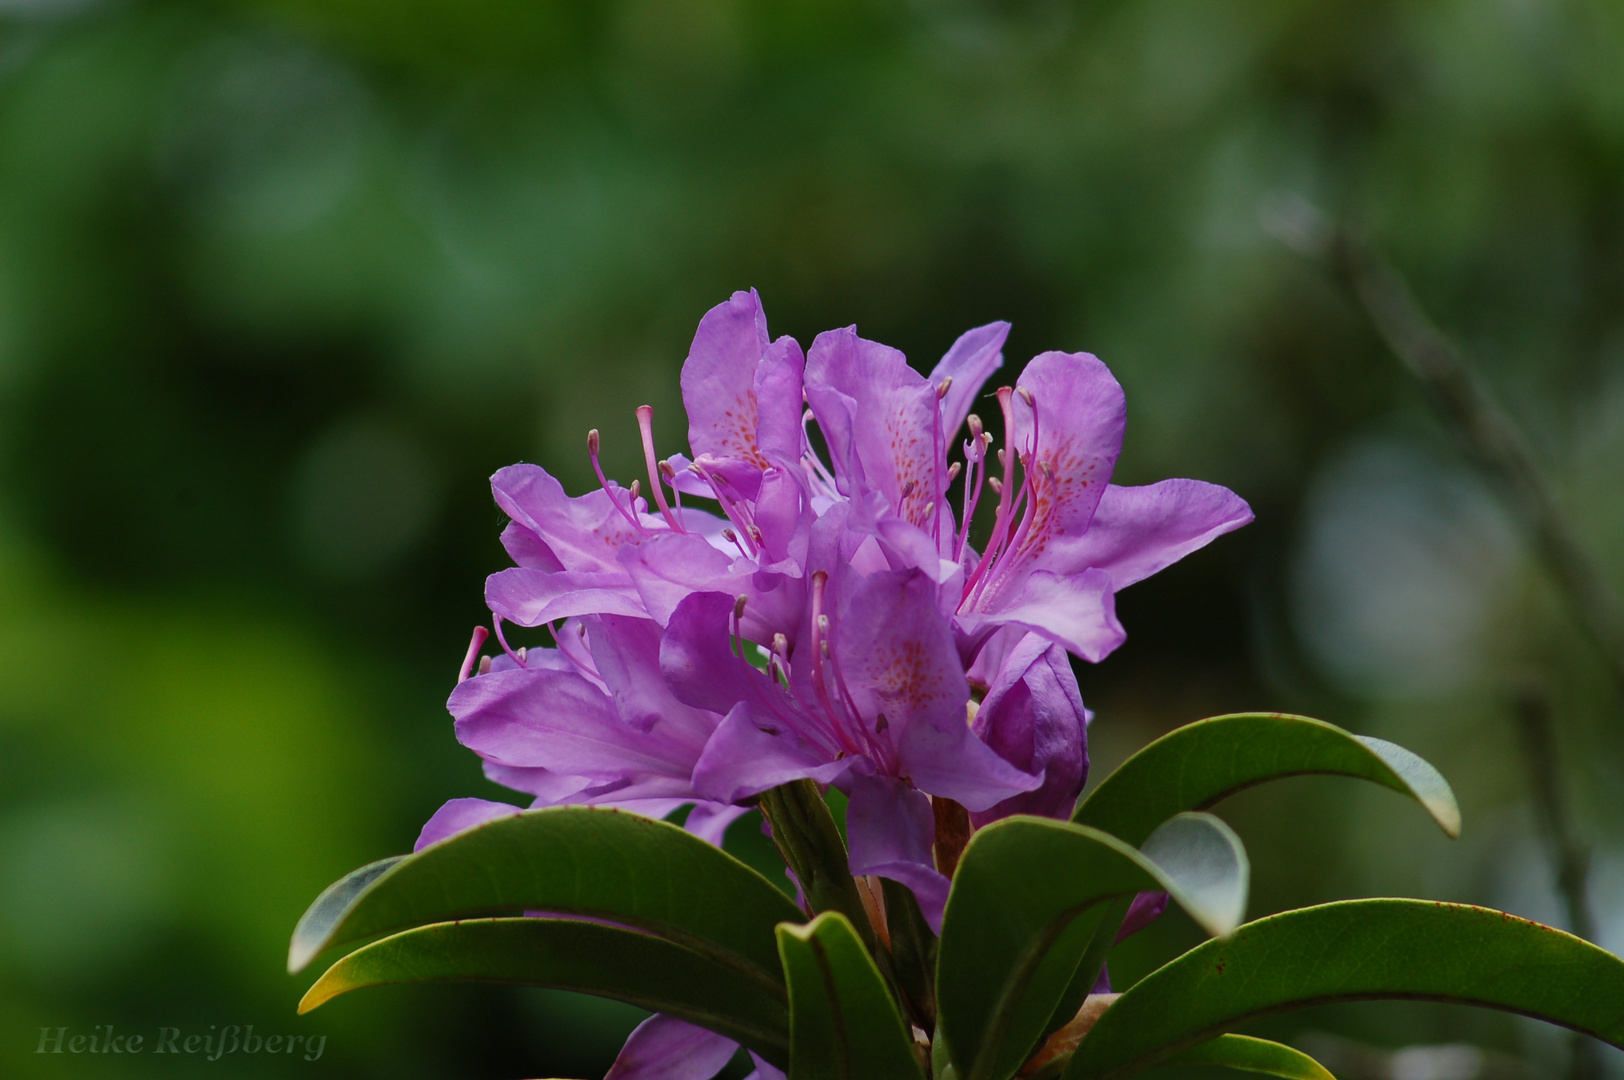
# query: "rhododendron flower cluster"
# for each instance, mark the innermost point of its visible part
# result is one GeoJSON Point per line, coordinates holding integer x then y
{"type": "Point", "coordinates": [825, 618]}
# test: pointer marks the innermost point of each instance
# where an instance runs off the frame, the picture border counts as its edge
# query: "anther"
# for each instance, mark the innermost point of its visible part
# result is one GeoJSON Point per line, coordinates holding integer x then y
{"type": "Point", "coordinates": [953, 471]}
{"type": "Point", "coordinates": [996, 484]}
{"type": "Point", "coordinates": [908, 489]}
{"type": "Point", "coordinates": [976, 427]}
{"type": "Point", "coordinates": [668, 472]}
{"type": "Point", "coordinates": [484, 665]}
{"type": "Point", "coordinates": [780, 644]}
{"type": "Point", "coordinates": [941, 391]}
{"type": "Point", "coordinates": [738, 606]}
{"type": "Point", "coordinates": [636, 489]}
{"type": "Point", "coordinates": [592, 442]}
{"type": "Point", "coordinates": [1026, 395]}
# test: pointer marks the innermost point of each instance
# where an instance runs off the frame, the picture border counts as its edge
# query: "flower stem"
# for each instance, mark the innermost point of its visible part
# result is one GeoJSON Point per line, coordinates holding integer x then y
{"type": "Point", "coordinates": [810, 843]}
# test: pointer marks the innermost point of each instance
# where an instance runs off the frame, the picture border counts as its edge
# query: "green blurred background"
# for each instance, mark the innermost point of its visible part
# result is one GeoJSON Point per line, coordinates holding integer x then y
{"type": "Point", "coordinates": [282, 282]}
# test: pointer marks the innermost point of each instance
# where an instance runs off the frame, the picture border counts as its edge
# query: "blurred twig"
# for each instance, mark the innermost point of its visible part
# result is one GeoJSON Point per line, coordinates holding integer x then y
{"type": "Point", "coordinates": [1490, 436]}
{"type": "Point", "coordinates": [1572, 857]}
{"type": "Point", "coordinates": [1569, 854]}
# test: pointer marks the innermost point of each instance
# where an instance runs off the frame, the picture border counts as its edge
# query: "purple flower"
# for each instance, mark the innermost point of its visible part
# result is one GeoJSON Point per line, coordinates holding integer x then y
{"type": "Point", "coordinates": [1063, 538]}
{"type": "Point", "coordinates": [591, 722]}
{"type": "Point", "coordinates": [830, 621]}
{"type": "Point", "coordinates": [874, 699]}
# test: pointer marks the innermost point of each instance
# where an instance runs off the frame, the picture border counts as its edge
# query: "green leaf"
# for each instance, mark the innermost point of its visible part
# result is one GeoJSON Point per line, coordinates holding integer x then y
{"type": "Point", "coordinates": [1199, 764]}
{"type": "Point", "coordinates": [607, 864]}
{"type": "Point", "coordinates": [843, 1023]}
{"type": "Point", "coordinates": [1354, 950]}
{"type": "Point", "coordinates": [1027, 901]}
{"type": "Point", "coordinates": [1246, 1054]}
{"type": "Point", "coordinates": [570, 955]}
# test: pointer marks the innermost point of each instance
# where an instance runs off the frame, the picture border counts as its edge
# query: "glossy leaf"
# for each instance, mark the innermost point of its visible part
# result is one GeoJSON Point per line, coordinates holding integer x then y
{"type": "Point", "coordinates": [568, 954]}
{"type": "Point", "coordinates": [843, 1022]}
{"type": "Point", "coordinates": [1246, 1054]}
{"type": "Point", "coordinates": [606, 864]}
{"type": "Point", "coordinates": [1198, 765]}
{"type": "Point", "coordinates": [1356, 950]}
{"type": "Point", "coordinates": [1027, 900]}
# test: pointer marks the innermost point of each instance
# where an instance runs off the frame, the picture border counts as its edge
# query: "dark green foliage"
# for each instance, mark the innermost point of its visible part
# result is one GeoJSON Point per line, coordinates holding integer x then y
{"type": "Point", "coordinates": [1033, 911]}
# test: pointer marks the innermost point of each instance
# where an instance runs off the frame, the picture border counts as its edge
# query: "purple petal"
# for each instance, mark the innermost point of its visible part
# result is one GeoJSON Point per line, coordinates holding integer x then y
{"type": "Point", "coordinates": [669, 569]}
{"type": "Point", "coordinates": [1146, 908]}
{"type": "Point", "coordinates": [898, 658]}
{"type": "Point", "coordinates": [697, 657]}
{"type": "Point", "coordinates": [583, 533]}
{"type": "Point", "coordinates": [549, 788]}
{"type": "Point", "coordinates": [626, 653]}
{"type": "Point", "coordinates": [880, 419]}
{"type": "Point", "coordinates": [969, 363]}
{"type": "Point", "coordinates": [532, 597]}
{"type": "Point", "coordinates": [560, 722]}
{"type": "Point", "coordinates": [1033, 716]}
{"type": "Point", "coordinates": [709, 821]}
{"type": "Point", "coordinates": [743, 760]}
{"type": "Point", "coordinates": [780, 402]}
{"type": "Point", "coordinates": [528, 549]}
{"type": "Point", "coordinates": [1077, 611]}
{"type": "Point", "coordinates": [1137, 531]}
{"type": "Point", "coordinates": [763, 1070]}
{"type": "Point", "coordinates": [665, 1048]}
{"type": "Point", "coordinates": [460, 814]}
{"type": "Point", "coordinates": [742, 391]}
{"type": "Point", "coordinates": [1079, 415]}
{"type": "Point", "coordinates": [890, 828]}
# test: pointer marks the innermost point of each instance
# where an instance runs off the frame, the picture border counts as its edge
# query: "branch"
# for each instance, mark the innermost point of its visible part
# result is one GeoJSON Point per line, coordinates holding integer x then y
{"type": "Point", "coordinates": [1456, 390]}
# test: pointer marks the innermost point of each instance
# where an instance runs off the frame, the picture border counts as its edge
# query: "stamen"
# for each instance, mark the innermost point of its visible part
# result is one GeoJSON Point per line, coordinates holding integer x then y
{"type": "Point", "coordinates": [592, 442]}
{"type": "Point", "coordinates": [636, 489]}
{"type": "Point", "coordinates": [668, 473]}
{"type": "Point", "coordinates": [953, 471]}
{"type": "Point", "coordinates": [645, 424]}
{"type": "Point", "coordinates": [738, 624]}
{"type": "Point", "coordinates": [1026, 394]}
{"type": "Point", "coordinates": [516, 657]}
{"type": "Point", "coordinates": [945, 385]}
{"type": "Point", "coordinates": [480, 634]}
{"type": "Point", "coordinates": [736, 512]}
{"type": "Point", "coordinates": [1004, 487]}
{"type": "Point", "coordinates": [484, 665]}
